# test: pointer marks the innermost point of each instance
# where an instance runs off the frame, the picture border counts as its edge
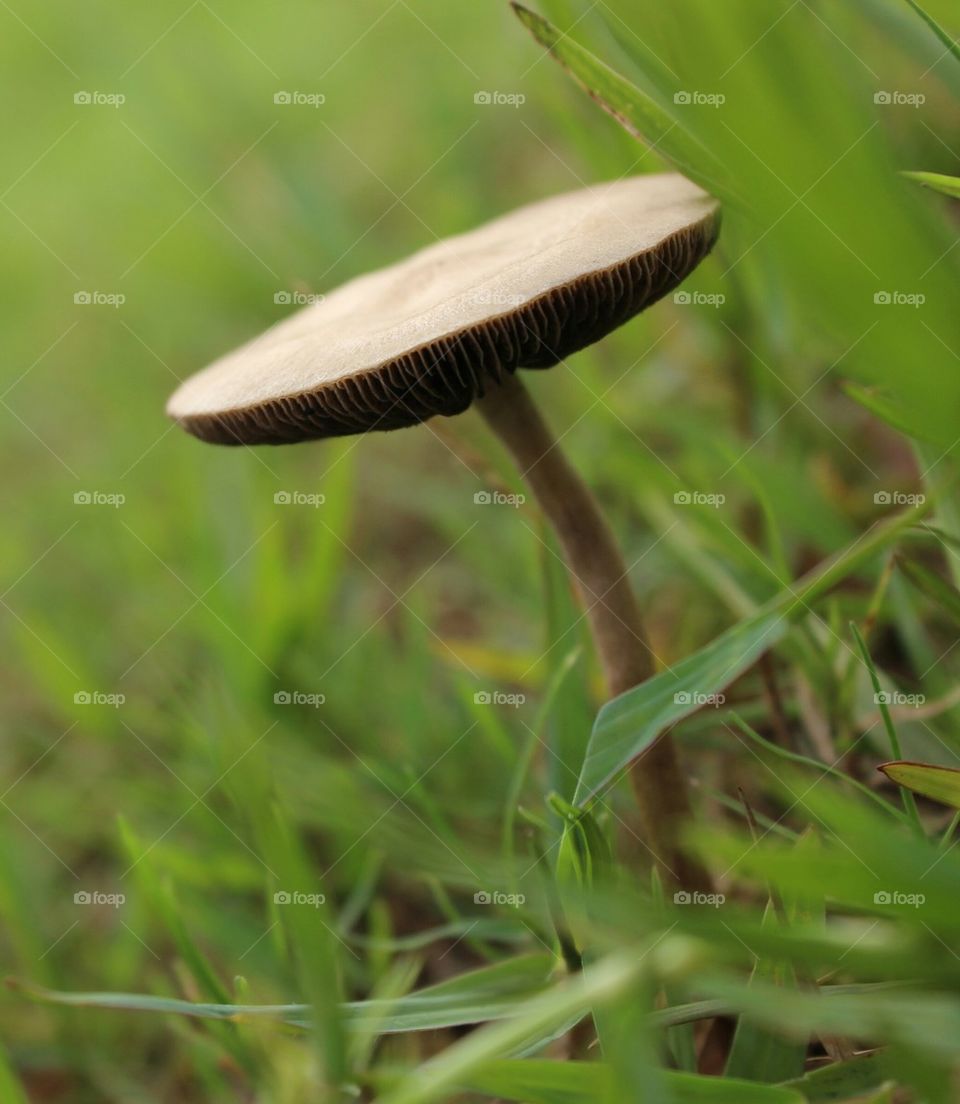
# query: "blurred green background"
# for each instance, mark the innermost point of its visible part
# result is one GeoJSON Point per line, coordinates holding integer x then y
{"type": "Point", "coordinates": [198, 598]}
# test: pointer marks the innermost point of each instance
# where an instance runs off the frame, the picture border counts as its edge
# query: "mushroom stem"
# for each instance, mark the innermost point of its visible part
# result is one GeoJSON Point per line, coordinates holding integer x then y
{"type": "Point", "coordinates": [597, 567]}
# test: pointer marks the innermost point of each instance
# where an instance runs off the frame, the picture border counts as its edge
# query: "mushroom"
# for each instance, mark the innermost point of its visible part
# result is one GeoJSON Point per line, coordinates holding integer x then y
{"type": "Point", "coordinates": [448, 328]}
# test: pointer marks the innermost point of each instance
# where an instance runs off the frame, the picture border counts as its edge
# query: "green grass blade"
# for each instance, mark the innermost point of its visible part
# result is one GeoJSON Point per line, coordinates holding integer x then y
{"type": "Point", "coordinates": [950, 43]}
{"type": "Point", "coordinates": [939, 783]}
{"type": "Point", "coordinates": [11, 1090]}
{"type": "Point", "coordinates": [391, 987]}
{"type": "Point", "coordinates": [637, 112]}
{"type": "Point", "coordinates": [628, 1046]}
{"type": "Point", "coordinates": [476, 997]}
{"type": "Point", "coordinates": [541, 1081]}
{"type": "Point", "coordinates": [598, 984]}
{"type": "Point", "coordinates": [758, 1054]}
{"type": "Point", "coordinates": [490, 993]}
{"type": "Point", "coordinates": [925, 1021]}
{"type": "Point", "coordinates": [943, 594]}
{"type": "Point", "coordinates": [571, 715]}
{"type": "Point", "coordinates": [880, 698]}
{"type": "Point", "coordinates": [631, 722]}
{"type": "Point", "coordinates": [551, 697]}
{"type": "Point", "coordinates": [161, 895]}
{"type": "Point", "coordinates": [309, 934]}
{"type": "Point", "coordinates": [939, 182]}
{"type": "Point", "coordinates": [163, 902]}
{"type": "Point", "coordinates": [842, 1080]}
{"type": "Point", "coordinates": [820, 767]}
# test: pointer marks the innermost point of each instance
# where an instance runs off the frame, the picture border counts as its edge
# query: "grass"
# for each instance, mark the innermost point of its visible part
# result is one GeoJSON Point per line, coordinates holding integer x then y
{"type": "Point", "coordinates": [246, 731]}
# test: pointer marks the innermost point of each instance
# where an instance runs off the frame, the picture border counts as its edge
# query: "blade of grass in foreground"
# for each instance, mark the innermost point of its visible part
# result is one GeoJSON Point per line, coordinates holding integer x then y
{"type": "Point", "coordinates": [637, 112]}
{"type": "Point", "coordinates": [515, 787]}
{"type": "Point", "coordinates": [951, 44]}
{"type": "Point", "coordinates": [759, 1054]}
{"type": "Point", "coordinates": [540, 1081]}
{"type": "Point", "coordinates": [820, 767]}
{"type": "Point", "coordinates": [426, 1010]}
{"type": "Point", "coordinates": [939, 182]}
{"type": "Point", "coordinates": [938, 590]}
{"type": "Point", "coordinates": [843, 1080]}
{"type": "Point", "coordinates": [631, 722]}
{"type": "Point", "coordinates": [163, 904]}
{"type": "Point", "coordinates": [165, 907]}
{"type": "Point", "coordinates": [938, 783]}
{"type": "Point", "coordinates": [490, 993]}
{"type": "Point", "coordinates": [597, 985]}
{"type": "Point", "coordinates": [11, 1091]}
{"type": "Point", "coordinates": [908, 802]}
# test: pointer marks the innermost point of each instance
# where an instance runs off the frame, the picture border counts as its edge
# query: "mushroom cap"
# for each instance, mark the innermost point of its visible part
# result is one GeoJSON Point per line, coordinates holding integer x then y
{"type": "Point", "coordinates": [431, 333]}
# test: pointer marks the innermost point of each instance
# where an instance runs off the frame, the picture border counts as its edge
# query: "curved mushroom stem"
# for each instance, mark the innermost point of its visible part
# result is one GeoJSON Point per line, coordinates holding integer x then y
{"type": "Point", "coordinates": [597, 567]}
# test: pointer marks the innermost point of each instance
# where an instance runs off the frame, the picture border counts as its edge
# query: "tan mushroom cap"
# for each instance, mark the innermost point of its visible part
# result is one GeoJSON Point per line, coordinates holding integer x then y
{"type": "Point", "coordinates": [430, 334]}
